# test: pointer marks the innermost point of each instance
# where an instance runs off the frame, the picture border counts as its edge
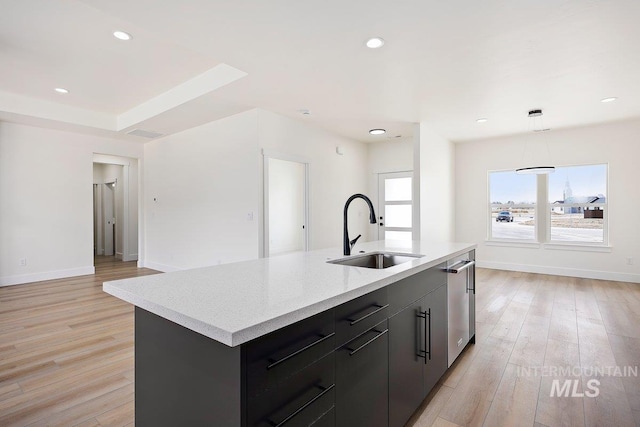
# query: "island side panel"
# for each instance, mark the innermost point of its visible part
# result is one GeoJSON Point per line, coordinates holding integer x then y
{"type": "Point", "coordinates": [183, 377]}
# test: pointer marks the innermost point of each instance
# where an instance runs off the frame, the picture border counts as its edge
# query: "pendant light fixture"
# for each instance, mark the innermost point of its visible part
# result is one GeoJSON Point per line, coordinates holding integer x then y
{"type": "Point", "coordinates": [538, 170]}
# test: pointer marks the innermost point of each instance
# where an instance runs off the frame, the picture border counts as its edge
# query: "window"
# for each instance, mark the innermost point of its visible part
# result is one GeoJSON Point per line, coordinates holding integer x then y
{"type": "Point", "coordinates": [578, 204]}
{"type": "Point", "coordinates": [576, 212]}
{"type": "Point", "coordinates": [512, 206]}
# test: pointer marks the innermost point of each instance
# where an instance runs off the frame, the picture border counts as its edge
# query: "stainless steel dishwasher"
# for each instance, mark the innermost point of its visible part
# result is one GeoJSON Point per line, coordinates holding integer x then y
{"type": "Point", "coordinates": [460, 303]}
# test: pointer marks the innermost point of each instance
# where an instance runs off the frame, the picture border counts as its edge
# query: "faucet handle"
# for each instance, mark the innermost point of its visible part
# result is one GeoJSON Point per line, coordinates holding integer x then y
{"type": "Point", "coordinates": [353, 242]}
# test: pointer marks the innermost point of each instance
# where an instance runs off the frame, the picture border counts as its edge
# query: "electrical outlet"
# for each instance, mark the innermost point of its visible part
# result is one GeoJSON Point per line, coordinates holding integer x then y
{"type": "Point", "coordinates": [23, 262]}
{"type": "Point", "coordinates": [630, 261]}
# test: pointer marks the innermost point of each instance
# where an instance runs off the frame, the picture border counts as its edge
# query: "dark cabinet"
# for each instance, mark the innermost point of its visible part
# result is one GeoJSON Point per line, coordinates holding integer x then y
{"type": "Point", "coordinates": [301, 400]}
{"type": "Point", "coordinates": [406, 367]}
{"type": "Point", "coordinates": [435, 305]}
{"type": "Point", "coordinates": [357, 316]}
{"type": "Point", "coordinates": [362, 379]}
{"type": "Point", "coordinates": [368, 362]}
{"type": "Point", "coordinates": [417, 353]}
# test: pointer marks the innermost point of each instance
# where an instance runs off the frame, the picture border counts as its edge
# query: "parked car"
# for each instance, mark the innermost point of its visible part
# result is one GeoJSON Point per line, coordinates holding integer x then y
{"type": "Point", "coordinates": [504, 216]}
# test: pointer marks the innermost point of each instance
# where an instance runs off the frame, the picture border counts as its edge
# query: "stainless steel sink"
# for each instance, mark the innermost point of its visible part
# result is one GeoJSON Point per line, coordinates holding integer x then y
{"type": "Point", "coordinates": [377, 260]}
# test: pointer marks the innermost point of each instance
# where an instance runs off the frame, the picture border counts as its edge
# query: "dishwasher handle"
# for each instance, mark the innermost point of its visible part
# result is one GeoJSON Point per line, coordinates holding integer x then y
{"type": "Point", "coordinates": [461, 266]}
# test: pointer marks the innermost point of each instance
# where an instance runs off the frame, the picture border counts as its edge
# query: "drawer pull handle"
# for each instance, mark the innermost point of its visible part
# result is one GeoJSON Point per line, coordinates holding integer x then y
{"type": "Point", "coordinates": [297, 352]}
{"type": "Point", "coordinates": [354, 351]}
{"type": "Point", "coordinates": [426, 353]}
{"type": "Point", "coordinates": [461, 266]}
{"type": "Point", "coordinates": [378, 309]}
{"type": "Point", "coordinates": [324, 391]}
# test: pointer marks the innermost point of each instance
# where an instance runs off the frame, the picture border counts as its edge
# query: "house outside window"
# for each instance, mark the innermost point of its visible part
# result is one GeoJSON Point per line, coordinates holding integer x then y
{"type": "Point", "coordinates": [578, 204]}
{"type": "Point", "coordinates": [577, 209]}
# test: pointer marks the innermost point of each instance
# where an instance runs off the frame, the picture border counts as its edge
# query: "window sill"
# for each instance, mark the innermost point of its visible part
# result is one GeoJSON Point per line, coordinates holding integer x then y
{"type": "Point", "coordinates": [512, 244]}
{"type": "Point", "coordinates": [553, 246]}
{"type": "Point", "coordinates": [577, 247]}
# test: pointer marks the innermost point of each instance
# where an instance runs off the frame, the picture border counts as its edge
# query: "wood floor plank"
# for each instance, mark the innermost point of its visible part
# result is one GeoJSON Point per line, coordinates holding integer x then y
{"type": "Point", "coordinates": [512, 404]}
{"type": "Point", "coordinates": [554, 409]}
{"type": "Point", "coordinates": [627, 354]}
{"type": "Point", "coordinates": [119, 416]}
{"type": "Point", "coordinates": [531, 344]}
{"type": "Point", "coordinates": [112, 409]}
{"type": "Point", "coordinates": [472, 398]}
{"type": "Point", "coordinates": [427, 414]}
{"type": "Point", "coordinates": [619, 319]}
{"type": "Point", "coordinates": [610, 406]}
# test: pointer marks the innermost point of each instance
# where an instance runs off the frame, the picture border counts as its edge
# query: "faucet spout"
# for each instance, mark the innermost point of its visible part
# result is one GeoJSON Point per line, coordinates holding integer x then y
{"type": "Point", "coordinates": [347, 244]}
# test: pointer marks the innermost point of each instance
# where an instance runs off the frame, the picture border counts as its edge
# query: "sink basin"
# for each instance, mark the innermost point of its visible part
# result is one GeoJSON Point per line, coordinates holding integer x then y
{"type": "Point", "coordinates": [377, 260]}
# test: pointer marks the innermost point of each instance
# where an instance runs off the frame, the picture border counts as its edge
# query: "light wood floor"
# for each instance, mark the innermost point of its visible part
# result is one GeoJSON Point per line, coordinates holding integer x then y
{"type": "Point", "coordinates": [66, 353]}
{"type": "Point", "coordinates": [530, 320]}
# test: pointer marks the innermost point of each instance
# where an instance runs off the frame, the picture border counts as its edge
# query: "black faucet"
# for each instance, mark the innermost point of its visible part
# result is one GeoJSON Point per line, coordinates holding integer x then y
{"type": "Point", "coordinates": [346, 243]}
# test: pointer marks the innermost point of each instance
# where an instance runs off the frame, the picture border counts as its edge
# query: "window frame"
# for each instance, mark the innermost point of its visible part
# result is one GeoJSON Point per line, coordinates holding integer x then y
{"type": "Point", "coordinates": [543, 216]}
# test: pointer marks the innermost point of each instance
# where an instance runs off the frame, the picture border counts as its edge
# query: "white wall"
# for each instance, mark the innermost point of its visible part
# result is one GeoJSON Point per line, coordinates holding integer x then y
{"type": "Point", "coordinates": [46, 201]}
{"type": "Point", "coordinates": [437, 186]}
{"type": "Point", "coordinates": [207, 180]}
{"type": "Point", "coordinates": [333, 178]}
{"type": "Point", "coordinates": [200, 185]}
{"type": "Point", "coordinates": [615, 144]}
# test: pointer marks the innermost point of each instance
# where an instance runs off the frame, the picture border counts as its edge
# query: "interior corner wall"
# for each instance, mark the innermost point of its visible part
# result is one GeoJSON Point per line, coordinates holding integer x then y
{"type": "Point", "coordinates": [333, 177]}
{"type": "Point", "coordinates": [46, 201]}
{"type": "Point", "coordinates": [200, 186]}
{"type": "Point", "coordinates": [615, 144]}
{"type": "Point", "coordinates": [437, 186]}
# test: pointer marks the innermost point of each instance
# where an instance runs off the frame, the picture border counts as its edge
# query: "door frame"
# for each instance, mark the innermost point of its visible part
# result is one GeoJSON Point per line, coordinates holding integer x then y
{"type": "Point", "coordinates": [270, 154]}
{"type": "Point", "coordinates": [125, 162]}
{"type": "Point", "coordinates": [381, 202]}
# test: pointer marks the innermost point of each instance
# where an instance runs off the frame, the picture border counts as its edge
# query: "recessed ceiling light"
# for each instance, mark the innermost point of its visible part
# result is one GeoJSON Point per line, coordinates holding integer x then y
{"type": "Point", "coordinates": [61, 90]}
{"type": "Point", "coordinates": [375, 42]}
{"type": "Point", "coordinates": [377, 131]}
{"type": "Point", "coordinates": [482, 120]}
{"type": "Point", "coordinates": [613, 98]}
{"type": "Point", "coordinates": [121, 35]}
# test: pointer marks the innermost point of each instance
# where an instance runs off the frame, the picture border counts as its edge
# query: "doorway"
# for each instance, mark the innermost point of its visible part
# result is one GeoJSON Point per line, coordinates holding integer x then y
{"type": "Point", "coordinates": [286, 201]}
{"type": "Point", "coordinates": [395, 206]}
{"type": "Point", "coordinates": [115, 208]}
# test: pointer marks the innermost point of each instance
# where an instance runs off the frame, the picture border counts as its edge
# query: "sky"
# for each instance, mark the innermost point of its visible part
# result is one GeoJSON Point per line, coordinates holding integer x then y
{"type": "Point", "coordinates": [589, 180]}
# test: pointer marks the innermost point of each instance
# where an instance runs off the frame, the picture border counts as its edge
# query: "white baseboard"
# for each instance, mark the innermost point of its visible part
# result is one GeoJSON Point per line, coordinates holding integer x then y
{"type": "Point", "coordinates": [561, 271]}
{"type": "Point", "coordinates": [118, 255]}
{"type": "Point", "coordinates": [161, 267]}
{"type": "Point", "coordinates": [130, 257]}
{"type": "Point", "coordinates": [46, 275]}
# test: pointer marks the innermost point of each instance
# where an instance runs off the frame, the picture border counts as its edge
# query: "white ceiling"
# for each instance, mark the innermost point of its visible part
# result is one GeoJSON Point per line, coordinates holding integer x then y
{"type": "Point", "coordinates": [444, 62]}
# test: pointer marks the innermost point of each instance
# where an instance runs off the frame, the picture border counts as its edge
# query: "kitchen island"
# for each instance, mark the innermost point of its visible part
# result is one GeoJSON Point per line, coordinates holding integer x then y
{"type": "Point", "coordinates": [291, 340]}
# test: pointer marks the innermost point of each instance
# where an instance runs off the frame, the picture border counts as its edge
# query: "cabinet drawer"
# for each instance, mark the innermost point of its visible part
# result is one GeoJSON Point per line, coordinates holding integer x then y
{"type": "Point", "coordinates": [362, 379]}
{"type": "Point", "coordinates": [276, 356]}
{"type": "Point", "coordinates": [306, 398]}
{"type": "Point", "coordinates": [357, 316]}
{"type": "Point", "coordinates": [406, 291]}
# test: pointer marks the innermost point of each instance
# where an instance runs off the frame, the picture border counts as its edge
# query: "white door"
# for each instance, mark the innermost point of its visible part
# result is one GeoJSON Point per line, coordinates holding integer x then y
{"type": "Point", "coordinates": [108, 209]}
{"type": "Point", "coordinates": [395, 206]}
{"type": "Point", "coordinates": [285, 203]}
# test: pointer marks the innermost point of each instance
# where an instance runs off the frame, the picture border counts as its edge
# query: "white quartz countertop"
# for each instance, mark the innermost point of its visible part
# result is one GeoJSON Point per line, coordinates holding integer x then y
{"type": "Point", "coordinates": [235, 303]}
